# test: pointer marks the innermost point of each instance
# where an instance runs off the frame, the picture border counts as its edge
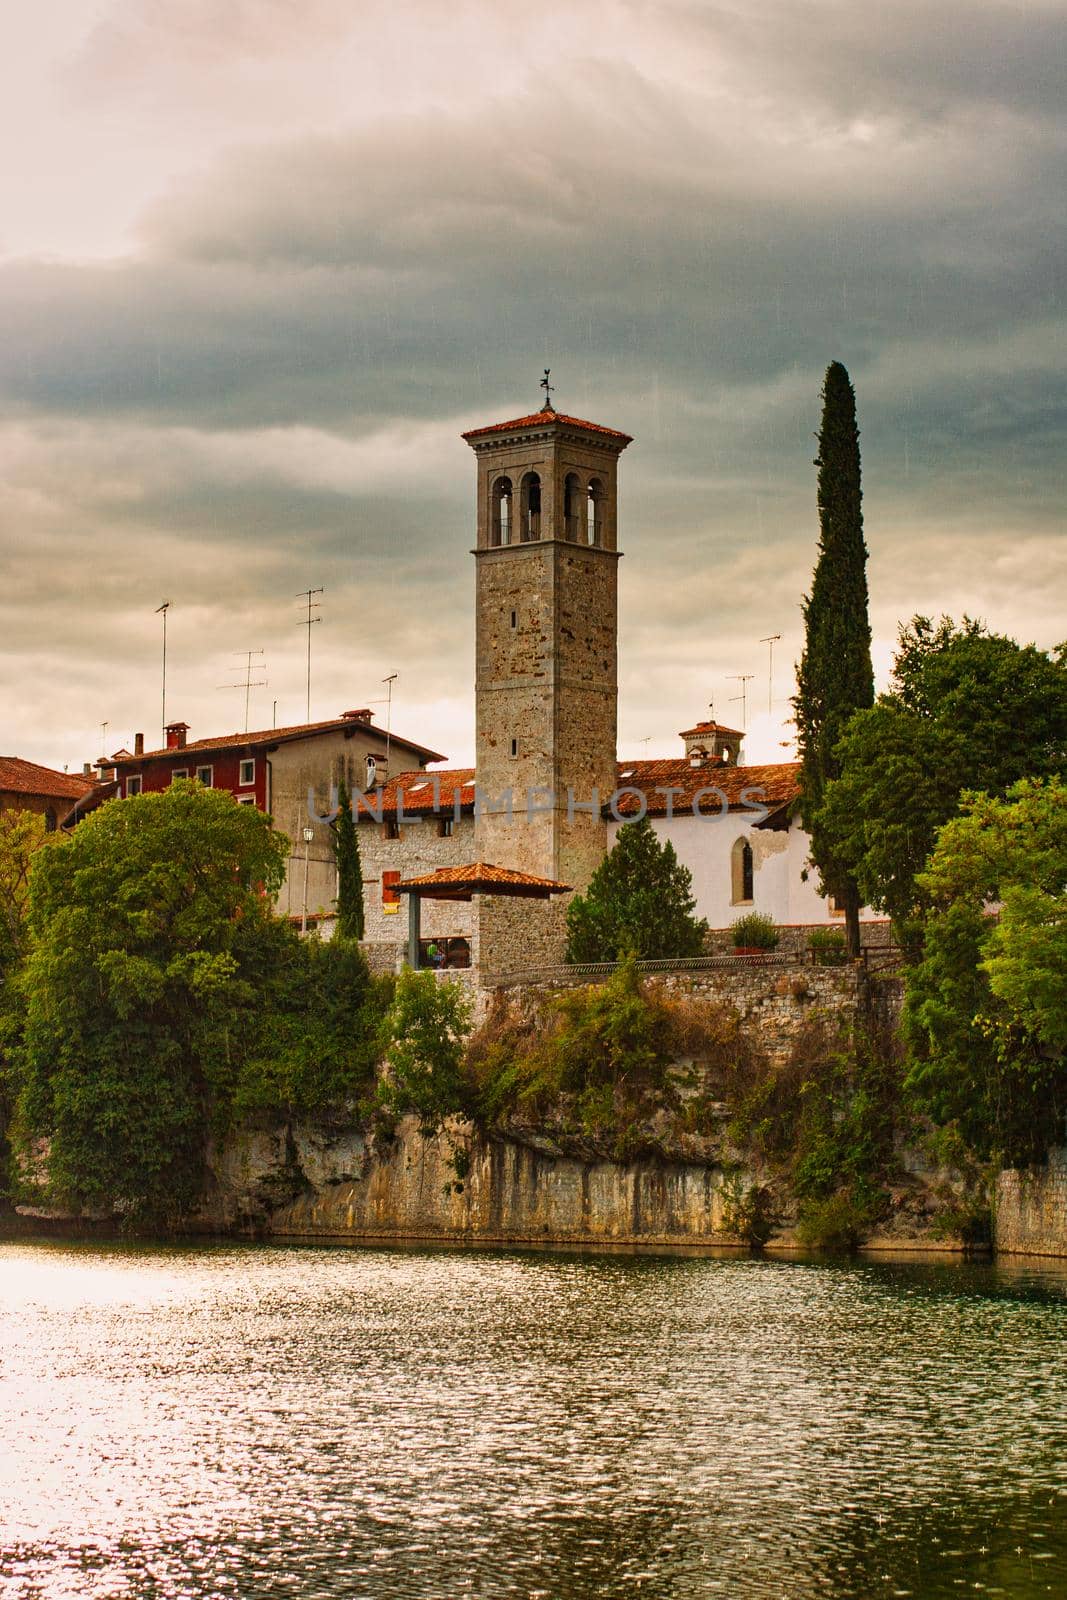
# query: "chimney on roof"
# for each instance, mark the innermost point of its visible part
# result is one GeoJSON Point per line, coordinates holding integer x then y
{"type": "Point", "coordinates": [177, 733]}
{"type": "Point", "coordinates": [87, 769]}
{"type": "Point", "coordinates": [138, 744]}
{"type": "Point", "coordinates": [365, 715]}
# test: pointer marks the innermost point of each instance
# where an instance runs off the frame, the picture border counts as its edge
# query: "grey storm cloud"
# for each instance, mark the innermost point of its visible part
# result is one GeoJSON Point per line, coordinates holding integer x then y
{"type": "Point", "coordinates": [272, 381]}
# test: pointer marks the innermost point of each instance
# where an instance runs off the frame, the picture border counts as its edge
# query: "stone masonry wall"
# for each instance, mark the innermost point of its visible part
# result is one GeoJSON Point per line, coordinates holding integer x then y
{"type": "Point", "coordinates": [1030, 1216]}
{"type": "Point", "coordinates": [775, 1001]}
{"type": "Point", "coordinates": [418, 849]}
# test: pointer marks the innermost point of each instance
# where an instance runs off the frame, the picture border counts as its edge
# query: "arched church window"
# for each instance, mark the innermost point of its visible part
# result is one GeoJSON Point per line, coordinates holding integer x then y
{"type": "Point", "coordinates": [531, 507]}
{"type": "Point", "coordinates": [500, 512]}
{"type": "Point", "coordinates": [572, 499]}
{"type": "Point", "coordinates": [594, 513]}
{"type": "Point", "coordinates": [741, 873]}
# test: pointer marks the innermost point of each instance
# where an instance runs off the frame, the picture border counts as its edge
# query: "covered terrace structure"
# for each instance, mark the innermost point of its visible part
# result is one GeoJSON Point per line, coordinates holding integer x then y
{"type": "Point", "coordinates": [463, 883]}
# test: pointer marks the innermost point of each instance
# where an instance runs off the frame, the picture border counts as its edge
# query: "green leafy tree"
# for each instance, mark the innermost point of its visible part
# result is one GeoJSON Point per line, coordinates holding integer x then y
{"type": "Point", "coordinates": [312, 1047]}
{"type": "Point", "coordinates": [350, 922]}
{"type": "Point", "coordinates": [136, 1006]}
{"type": "Point", "coordinates": [22, 833]}
{"type": "Point", "coordinates": [426, 1031]}
{"type": "Point", "coordinates": [640, 899]}
{"type": "Point", "coordinates": [966, 710]}
{"type": "Point", "coordinates": [986, 1007]}
{"type": "Point", "coordinates": [835, 677]}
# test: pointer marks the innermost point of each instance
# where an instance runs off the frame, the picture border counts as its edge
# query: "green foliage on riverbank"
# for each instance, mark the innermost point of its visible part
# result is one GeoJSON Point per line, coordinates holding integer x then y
{"type": "Point", "coordinates": [826, 1122]}
{"type": "Point", "coordinates": [986, 1011]}
{"type": "Point", "coordinates": [160, 999]}
{"type": "Point", "coordinates": [599, 1066]}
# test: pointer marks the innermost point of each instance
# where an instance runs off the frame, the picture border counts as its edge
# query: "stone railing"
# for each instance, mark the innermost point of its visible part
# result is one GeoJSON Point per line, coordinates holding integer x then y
{"type": "Point", "coordinates": [600, 970]}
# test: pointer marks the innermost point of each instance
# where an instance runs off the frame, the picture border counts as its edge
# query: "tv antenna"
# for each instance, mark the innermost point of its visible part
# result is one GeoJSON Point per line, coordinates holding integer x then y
{"type": "Point", "coordinates": [771, 640]}
{"type": "Point", "coordinates": [104, 726]}
{"type": "Point", "coordinates": [744, 679]}
{"type": "Point", "coordinates": [389, 681]}
{"type": "Point", "coordinates": [248, 683]}
{"type": "Point", "coordinates": [164, 608]}
{"type": "Point", "coordinates": [308, 597]}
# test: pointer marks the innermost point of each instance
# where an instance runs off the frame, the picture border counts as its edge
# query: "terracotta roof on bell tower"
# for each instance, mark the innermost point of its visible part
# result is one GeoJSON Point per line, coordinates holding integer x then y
{"type": "Point", "coordinates": [542, 419]}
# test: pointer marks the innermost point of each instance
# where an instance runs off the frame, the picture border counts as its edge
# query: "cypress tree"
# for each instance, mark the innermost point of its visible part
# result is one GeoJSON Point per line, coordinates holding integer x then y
{"type": "Point", "coordinates": [349, 870]}
{"type": "Point", "coordinates": [835, 677]}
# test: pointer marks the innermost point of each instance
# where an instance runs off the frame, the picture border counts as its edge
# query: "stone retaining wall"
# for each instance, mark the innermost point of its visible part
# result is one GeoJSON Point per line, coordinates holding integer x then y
{"type": "Point", "coordinates": [1031, 1209]}
{"type": "Point", "coordinates": [775, 1001]}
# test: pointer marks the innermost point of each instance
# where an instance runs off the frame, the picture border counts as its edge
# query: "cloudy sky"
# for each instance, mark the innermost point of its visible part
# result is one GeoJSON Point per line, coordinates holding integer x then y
{"type": "Point", "coordinates": [261, 261]}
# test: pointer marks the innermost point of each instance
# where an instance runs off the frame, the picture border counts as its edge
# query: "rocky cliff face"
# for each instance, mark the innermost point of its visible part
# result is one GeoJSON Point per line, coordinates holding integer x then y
{"type": "Point", "coordinates": [303, 1182]}
{"type": "Point", "coordinates": [298, 1181]}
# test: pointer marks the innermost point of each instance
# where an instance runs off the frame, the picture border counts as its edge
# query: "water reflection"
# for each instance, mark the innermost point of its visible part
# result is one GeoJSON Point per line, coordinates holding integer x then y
{"type": "Point", "coordinates": [263, 1422]}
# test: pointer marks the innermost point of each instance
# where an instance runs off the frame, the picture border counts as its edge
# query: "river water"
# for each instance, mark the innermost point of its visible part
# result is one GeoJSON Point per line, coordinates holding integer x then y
{"type": "Point", "coordinates": [254, 1421]}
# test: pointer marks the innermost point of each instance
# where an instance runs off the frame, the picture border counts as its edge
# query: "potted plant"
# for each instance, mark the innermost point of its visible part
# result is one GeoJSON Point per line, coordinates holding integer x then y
{"type": "Point", "coordinates": [754, 935]}
{"type": "Point", "coordinates": [826, 946]}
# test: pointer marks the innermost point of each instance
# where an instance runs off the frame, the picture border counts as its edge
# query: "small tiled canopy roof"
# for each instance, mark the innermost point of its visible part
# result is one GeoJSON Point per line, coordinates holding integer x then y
{"type": "Point", "coordinates": [480, 877]}
{"type": "Point", "coordinates": [542, 419]}
{"type": "Point", "coordinates": [26, 777]}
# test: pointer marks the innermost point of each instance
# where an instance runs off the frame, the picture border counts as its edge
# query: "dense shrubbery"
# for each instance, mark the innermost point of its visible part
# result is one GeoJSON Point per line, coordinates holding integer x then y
{"type": "Point", "coordinates": [827, 948]}
{"type": "Point", "coordinates": [754, 931]}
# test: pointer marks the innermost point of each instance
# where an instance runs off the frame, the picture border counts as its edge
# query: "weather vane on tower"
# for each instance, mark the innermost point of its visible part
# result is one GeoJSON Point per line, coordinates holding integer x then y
{"type": "Point", "coordinates": [548, 388]}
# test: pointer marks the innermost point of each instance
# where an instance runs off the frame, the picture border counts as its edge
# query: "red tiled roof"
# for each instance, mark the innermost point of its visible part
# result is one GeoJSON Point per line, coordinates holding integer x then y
{"type": "Point", "coordinates": [709, 727]}
{"type": "Point", "coordinates": [541, 419]}
{"type": "Point", "coordinates": [481, 877]}
{"type": "Point", "coordinates": [303, 730]}
{"type": "Point", "coordinates": [26, 777]}
{"type": "Point", "coordinates": [774, 785]}
{"type": "Point", "coordinates": [419, 789]}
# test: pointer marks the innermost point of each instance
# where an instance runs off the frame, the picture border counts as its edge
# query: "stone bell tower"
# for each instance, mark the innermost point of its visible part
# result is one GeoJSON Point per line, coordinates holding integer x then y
{"type": "Point", "coordinates": [546, 626]}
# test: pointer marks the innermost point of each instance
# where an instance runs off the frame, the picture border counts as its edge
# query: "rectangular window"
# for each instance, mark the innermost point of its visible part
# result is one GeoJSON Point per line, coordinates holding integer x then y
{"type": "Point", "coordinates": [248, 773]}
{"type": "Point", "coordinates": [444, 827]}
{"type": "Point", "coordinates": [514, 619]}
{"type": "Point", "coordinates": [204, 775]}
{"type": "Point", "coordinates": [246, 799]}
{"type": "Point", "coordinates": [133, 786]}
{"type": "Point", "coordinates": [514, 747]}
{"type": "Point", "coordinates": [179, 772]}
{"type": "Point", "coordinates": [390, 893]}
{"type": "Point", "coordinates": [391, 828]}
